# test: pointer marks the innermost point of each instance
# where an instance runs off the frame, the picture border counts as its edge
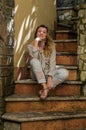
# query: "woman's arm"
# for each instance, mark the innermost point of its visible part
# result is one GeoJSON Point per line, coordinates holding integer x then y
{"type": "Point", "coordinates": [52, 63]}
{"type": "Point", "coordinates": [33, 48]}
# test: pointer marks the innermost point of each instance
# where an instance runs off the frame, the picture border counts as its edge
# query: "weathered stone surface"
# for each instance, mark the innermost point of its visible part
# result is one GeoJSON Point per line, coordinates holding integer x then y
{"type": "Point", "coordinates": [83, 75]}
{"type": "Point", "coordinates": [81, 27]}
{"type": "Point", "coordinates": [80, 49]}
{"type": "Point", "coordinates": [3, 27]}
{"type": "Point", "coordinates": [81, 64]}
{"type": "Point", "coordinates": [8, 11]}
{"type": "Point", "coordinates": [11, 126]}
{"type": "Point", "coordinates": [6, 71]}
{"type": "Point", "coordinates": [0, 87]}
{"type": "Point", "coordinates": [84, 66]}
{"type": "Point", "coordinates": [84, 21]}
{"type": "Point", "coordinates": [81, 14]}
{"type": "Point", "coordinates": [6, 53]}
{"type": "Point", "coordinates": [1, 6]}
{"type": "Point", "coordinates": [6, 85]}
{"type": "Point", "coordinates": [82, 43]}
{"type": "Point", "coordinates": [83, 57]}
{"type": "Point", "coordinates": [47, 120]}
{"type": "Point", "coordinates": [6, 60]}
{"type": "Point", "coordinates": [10, 41]}
{"type": "Point", "coordinates": [1, 125]}
{"type": "Point", "coordinates": [82, 39]}
{"type": "Point", "coordinates": [2, 104]}
{"type": "Point", "coordinates": [84, 90]}
{"type": "Point", "coordinates": [84, 29]}
{"type": "Point", "coordinates": [9, 3]}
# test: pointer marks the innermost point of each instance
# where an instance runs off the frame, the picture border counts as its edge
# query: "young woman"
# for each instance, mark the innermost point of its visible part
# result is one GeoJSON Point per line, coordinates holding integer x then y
{"type": "Point", "coordinates": [43, 62]}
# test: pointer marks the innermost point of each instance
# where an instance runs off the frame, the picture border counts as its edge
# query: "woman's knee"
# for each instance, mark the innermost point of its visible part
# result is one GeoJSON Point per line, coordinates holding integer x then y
{"type": "Point", "coordinates": [65, 74]}
{"type": "Point", "coordinates": [34, 62]}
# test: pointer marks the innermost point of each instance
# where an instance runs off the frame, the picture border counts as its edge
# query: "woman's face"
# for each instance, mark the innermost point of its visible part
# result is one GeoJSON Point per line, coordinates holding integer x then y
{"type": "Point", "coordinates": [41, 33]}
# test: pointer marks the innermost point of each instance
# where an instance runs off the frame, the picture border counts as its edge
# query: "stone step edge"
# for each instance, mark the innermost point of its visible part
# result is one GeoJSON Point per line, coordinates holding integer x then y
{"type": "Point", "coordinates": [65, 31]}
{"type": "Point", "coordinates": [65, 8]}
{"type": "Point", "coordinates": [20, 97]}
{"type": "Point", "coordinates": [64, 25]}
{"type": "Point", "coordinates": [67, 67]}
{"type": "Point", "coordinates": [66, 53]}
{"type": "Point", "coordinates": [65, 41]}
{"type": "Point", "coordinates": [42, 116]}
{"type": "Point", "coordinates": [75, 18]}
{"type": "Point", "coordinates": [30, 81]}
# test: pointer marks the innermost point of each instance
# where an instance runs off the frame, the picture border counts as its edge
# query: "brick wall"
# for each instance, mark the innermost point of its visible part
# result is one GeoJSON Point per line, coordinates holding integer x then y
{"type": "Point", "coordinates": [6, 52]}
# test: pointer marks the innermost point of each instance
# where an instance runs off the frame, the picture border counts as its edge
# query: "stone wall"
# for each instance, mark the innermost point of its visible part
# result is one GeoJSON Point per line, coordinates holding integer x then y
{"type": "Point", "coordinates": [82, 44]}
{"type": "Point", "coordinates": [6, 53]}
{"type": "Point", "coordinates": [65, 12]}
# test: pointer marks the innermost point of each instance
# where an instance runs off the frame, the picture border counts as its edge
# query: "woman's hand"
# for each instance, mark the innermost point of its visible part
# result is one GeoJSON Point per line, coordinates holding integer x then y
{"type": "Point", "coordinates": [36, 41]}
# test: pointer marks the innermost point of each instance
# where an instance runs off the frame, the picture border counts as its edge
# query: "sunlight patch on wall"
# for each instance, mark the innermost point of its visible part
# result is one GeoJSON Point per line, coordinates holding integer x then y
{"type": "Point", "coordinates": [20, 58]}
{"type": "Point", "coordinates": [27, 22]}
{"type": "Point", "coordinates": [34, 9]}
{"type": "Point", "coordinates": [54, 2]}
{"type": "Point", "coordinates": [19, 76]}
{"type": "Point", "coordinates": [26, 29]}
{"type": "Point", "coordinates": [20, 36]}
{"type": "Point", "coordinates": [16, 9]}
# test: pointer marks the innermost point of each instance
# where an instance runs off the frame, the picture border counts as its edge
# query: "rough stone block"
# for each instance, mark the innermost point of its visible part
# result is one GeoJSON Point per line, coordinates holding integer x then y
{"type": "Point", "coordinates": [84, 90]}
{"type": "Point", "coordinates": [11, 126]}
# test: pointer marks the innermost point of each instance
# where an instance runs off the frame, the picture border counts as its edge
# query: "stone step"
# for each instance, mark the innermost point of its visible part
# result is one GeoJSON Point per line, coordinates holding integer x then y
{"type": "Point", "coordinates": [65, 8]}
{"type": "Point", "coordinates": [45, 121]}
{"type": "Point", "coordinates": [73, 72]}
{"type": "Point", "coordinates": [30, 87]}
{"type": "Point", "coordinates": [25, 103]}
{"type": "Point", "coordinates": [66, 58]}
{"type": "Point", "coordinates": [66, 45]}
{"type": "Point", "coordinates": [65, 34]}
{"type": "Point", "coordinates": [61, 26]}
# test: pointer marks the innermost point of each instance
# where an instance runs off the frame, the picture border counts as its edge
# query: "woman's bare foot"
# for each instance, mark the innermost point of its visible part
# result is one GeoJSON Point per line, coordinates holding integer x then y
{"type": "Point", "coordinates": [44, 93]}
{"type": "Point", "coordinates": [40, 92]}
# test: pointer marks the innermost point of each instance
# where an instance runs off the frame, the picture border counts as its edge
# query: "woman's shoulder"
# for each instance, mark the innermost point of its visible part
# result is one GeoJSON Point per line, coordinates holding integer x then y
{"type": "Point", "coordinates": [30, 45]}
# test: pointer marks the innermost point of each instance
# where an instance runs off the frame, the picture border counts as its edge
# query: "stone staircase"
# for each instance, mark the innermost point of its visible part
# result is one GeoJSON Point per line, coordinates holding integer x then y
{"type": "Point", "coordinates": [65, 107]}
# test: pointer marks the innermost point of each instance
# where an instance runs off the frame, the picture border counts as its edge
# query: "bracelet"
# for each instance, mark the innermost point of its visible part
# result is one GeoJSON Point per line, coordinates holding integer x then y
{"type": "Point", "coordinates": [37, 39]}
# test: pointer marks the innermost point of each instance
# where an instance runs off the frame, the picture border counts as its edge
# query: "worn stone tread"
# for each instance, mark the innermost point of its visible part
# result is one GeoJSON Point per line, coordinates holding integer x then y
{"type": "Point", "coordinates": [39, 116]}
{"type": "Point", "coordinates": [66, 53]}
{"type": "Point", "coordinates": [64, 25]}
{"type": "Point", "coordinates": [65, 8]}
{"type": "Point", "coordinates": [66, 40]}
{"type": "Point", "coordinates": [16, 97]}
{"type": "Point", "coordinates": [30, 81]}
{"type": "Point", "coordinates": [65, 31]}
{"type": "Point", "coordinates": [71, 67]}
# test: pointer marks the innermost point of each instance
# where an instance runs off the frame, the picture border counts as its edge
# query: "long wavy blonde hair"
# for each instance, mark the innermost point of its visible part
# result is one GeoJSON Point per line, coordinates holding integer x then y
{"type": "Point", "coordinates": [49, 44]}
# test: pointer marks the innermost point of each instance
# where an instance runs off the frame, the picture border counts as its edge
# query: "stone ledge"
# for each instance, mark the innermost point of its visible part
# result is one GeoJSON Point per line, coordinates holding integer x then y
{"type": "Point", "coordinates": [28, 98]}
{"type": "Point", "coordinates": [65, 31]}
{"type": "Point", "coordinates": [30, 81]}
{"type": "Point", "coordinates": [67, 53]}
{"type": "Point", "coordinates": [67, 67]}
{"type": "Point", "coordinates": [65, 41]}
{"type": "Point", "coordinates": [42, 116]}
